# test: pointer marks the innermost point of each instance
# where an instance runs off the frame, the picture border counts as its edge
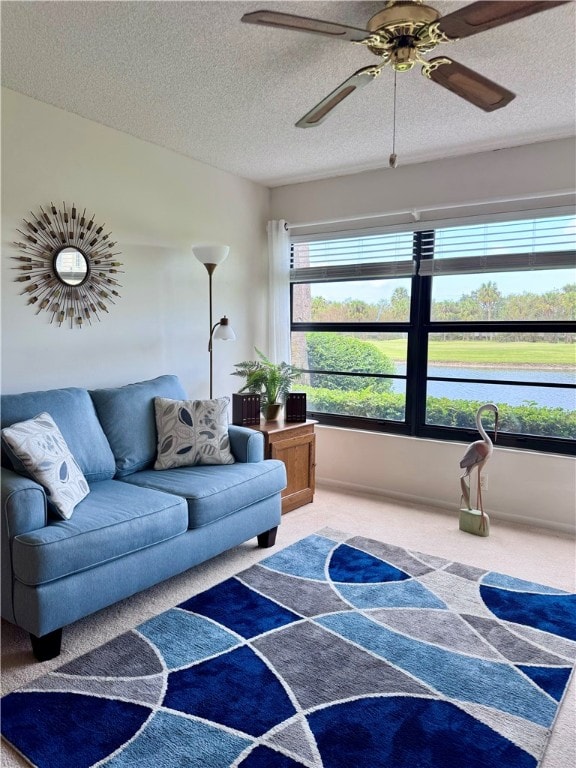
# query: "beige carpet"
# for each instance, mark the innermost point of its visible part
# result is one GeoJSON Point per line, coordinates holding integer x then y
{"type": "Point", "coordinates": [525, 552]}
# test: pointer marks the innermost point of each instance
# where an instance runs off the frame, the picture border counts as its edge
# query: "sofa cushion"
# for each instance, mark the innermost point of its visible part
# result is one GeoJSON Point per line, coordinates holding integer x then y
{"type": "Point", "coordinates": [115, 519]}
{"type": "Point", "coordinates": [192, 432]}
{"type": "Point", "coordinates": [73, 412]}
{"type": "Point", "coordinates": [39, 445]}
{"type": "Point", "coordinates": [127, 417]}
{"type": "Point", "coordinates": [216, 491]}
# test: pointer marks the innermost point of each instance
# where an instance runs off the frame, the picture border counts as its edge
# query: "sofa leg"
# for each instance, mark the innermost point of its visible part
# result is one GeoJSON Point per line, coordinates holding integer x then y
{"type": "Point", "coordinates": [268, 538]}
{"type": "Point", "coordinates": [48, 646]}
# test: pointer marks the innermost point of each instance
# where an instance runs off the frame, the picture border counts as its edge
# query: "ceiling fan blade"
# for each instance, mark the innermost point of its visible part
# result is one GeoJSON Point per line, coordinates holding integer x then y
{"type": "Point", "coordinates": [304, 24]}
{"type": "Point", "coordinates": [321, 111]}
{"type": "Point", "coordinates": [470, 85]}
{"type": "Point", "coordinates": [487, 14]}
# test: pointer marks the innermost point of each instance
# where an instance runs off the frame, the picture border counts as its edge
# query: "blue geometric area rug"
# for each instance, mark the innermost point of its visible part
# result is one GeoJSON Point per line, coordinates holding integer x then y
{"type": "Point", "coordinates": [335, 652]}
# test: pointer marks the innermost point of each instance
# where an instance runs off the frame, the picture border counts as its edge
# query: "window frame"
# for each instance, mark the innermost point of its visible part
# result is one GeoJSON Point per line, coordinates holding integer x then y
{"type": "Point", "coordinates": [418, 329]}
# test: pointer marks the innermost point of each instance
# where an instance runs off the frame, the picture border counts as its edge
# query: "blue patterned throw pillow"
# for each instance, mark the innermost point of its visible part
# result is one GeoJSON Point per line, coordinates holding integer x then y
{"type": "Point", "coordinates": [39, 445]}
{"type": "Point", "coordinates": [192, 432]}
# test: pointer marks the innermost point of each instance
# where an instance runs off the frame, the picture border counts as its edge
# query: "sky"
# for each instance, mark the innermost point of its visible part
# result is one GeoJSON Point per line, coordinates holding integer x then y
{"type": "Point", "coordinates": [449, 287]}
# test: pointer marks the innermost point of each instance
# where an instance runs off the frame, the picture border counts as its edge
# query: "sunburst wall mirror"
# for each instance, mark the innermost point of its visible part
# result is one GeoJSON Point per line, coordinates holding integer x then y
{"type": "Point", "coordinates": [69, 265]}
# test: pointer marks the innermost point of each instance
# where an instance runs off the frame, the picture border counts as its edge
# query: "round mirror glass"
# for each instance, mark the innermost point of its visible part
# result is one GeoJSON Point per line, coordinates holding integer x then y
{"type": "Point", "coordinates": [71, 266]}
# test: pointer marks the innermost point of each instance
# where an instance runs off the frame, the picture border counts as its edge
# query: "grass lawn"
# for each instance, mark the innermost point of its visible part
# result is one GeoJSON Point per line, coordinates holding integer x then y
{"type": "Point", "coordinates": [488, 352]}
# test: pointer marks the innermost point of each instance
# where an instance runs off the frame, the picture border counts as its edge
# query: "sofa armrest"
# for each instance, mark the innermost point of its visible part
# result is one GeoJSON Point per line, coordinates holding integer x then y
{"type": "Point", "coordinates": [247, 444]}
{"type": "Point", "coordinates": [23, 509]}
{"type": "Point", "coordinates": [24, 506]}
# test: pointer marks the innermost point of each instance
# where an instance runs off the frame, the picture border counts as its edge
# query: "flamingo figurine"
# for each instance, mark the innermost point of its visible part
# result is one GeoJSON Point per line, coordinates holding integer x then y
{"type": "Point", "coordinates": [476, 456]}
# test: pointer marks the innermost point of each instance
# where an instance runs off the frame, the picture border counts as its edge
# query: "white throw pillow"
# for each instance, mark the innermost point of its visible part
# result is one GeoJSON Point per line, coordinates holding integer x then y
{"type": "Point", "coordinates": [41, 448]}
{"type": "Point", "coordinates": [192, 432]}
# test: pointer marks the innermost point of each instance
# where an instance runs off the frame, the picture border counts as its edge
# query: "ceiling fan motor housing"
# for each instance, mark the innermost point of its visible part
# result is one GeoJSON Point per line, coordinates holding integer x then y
{"type": "Point", "coordinates": [404, 12]}
{"type": "Point", "coordinates": [402, 33]}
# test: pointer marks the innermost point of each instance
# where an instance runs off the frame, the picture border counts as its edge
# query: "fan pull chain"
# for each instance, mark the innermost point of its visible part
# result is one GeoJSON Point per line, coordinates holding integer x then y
{"type": "Point", "coordinates": [393, 160]}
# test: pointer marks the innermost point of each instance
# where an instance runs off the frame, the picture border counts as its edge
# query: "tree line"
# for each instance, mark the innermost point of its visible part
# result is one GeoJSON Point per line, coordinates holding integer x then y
{"type": "Point", "coordinates": [486, 303]}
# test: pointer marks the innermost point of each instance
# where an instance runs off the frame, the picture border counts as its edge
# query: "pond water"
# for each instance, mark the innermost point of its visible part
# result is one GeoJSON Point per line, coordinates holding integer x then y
{"type": "Point", "coordinates": [500, 393]}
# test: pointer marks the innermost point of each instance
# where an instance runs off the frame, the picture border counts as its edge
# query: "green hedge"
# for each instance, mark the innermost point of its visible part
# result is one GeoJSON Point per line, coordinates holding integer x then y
{"type": "Point", "coordinates": [523, 419]}
{"type": "Point", "coordinates": [337, 352]}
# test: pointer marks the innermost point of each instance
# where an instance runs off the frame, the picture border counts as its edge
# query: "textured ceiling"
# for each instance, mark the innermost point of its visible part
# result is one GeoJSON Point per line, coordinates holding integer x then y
{"type": "Point", "coordinates": [191, 77]}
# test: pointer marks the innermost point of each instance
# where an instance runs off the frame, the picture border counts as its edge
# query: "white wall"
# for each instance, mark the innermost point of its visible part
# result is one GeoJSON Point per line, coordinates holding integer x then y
{"type": "Point", "coordinates": [156, 203]}
{"type": "Point", "coordinates": [523, 486]}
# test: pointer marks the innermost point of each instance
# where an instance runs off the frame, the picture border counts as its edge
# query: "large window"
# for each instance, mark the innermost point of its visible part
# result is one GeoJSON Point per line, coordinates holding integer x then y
{"type": "Point", "coordinates": [412, 331]}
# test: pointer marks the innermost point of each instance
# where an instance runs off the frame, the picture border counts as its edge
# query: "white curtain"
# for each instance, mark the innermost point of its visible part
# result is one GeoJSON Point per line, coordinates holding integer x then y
{"type": "Point", "coordinates": [279, 292]}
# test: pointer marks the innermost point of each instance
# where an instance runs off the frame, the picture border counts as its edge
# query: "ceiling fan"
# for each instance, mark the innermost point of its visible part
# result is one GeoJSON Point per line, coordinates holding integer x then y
{"type": "Point", "coordinates": [401, 33]}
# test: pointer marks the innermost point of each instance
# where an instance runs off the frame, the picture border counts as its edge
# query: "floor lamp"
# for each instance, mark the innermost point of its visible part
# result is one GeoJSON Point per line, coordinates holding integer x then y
{"type": "Point", "coordinates": [211, 256]}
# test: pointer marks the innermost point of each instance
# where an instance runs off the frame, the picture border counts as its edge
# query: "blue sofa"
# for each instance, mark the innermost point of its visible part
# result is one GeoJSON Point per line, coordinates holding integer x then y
{"type": "Point", "coordinates": [137, 526]}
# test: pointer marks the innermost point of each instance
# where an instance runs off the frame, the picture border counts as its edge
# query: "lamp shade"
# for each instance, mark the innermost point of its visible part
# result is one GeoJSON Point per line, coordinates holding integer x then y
{"type": "Point", "coordinates": [224, 330]}
{"type": "Point", "coordinates": [210, 254]}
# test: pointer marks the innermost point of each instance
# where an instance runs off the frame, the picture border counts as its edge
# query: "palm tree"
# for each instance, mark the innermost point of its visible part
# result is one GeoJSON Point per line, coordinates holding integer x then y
{"type": "Point", "coordinates": [489, 298]}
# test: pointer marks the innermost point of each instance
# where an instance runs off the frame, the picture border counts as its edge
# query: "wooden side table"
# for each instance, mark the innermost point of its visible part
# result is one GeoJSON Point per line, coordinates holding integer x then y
{"type": "Point", "coordinates": [294, 443]}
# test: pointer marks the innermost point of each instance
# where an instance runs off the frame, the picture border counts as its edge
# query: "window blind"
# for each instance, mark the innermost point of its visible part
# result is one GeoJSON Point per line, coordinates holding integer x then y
{"type": "Point", "coordinates": [514, 262]}
{"type": "Point", "coordinates": [504, 247]}
{"type": "Point", "coordinates": [353, 258]}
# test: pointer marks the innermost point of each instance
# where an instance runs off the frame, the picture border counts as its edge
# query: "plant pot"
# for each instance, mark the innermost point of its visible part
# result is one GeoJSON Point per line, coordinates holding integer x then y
{"type": "Point", "coordinates": [272, 411]}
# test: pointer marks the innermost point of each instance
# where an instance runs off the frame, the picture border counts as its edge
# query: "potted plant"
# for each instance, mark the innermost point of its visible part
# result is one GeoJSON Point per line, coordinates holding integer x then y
{"type": "Point", "coordinates": [272, 381]}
